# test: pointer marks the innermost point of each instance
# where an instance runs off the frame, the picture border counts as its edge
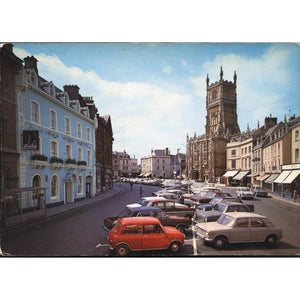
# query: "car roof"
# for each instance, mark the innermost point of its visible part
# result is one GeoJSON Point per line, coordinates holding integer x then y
{"type": "Point", "coordinates": [139, 220]}
{"type": "Point", "coordinates": [153, 198]}
{"type": "Point", "coordinates": [160, 200]}
{"type": "Point", "coordinates": [244, 215]}
{"type": "Point", "coordinates": [143, 208]}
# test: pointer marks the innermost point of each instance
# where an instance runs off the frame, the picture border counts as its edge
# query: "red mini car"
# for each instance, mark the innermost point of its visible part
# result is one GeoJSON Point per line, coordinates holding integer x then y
{"type": "Point", "coordinates": [143, 233]}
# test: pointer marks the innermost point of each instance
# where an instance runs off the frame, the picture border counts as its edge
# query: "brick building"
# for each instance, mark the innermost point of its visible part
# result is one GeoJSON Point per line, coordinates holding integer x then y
{"type": "Point", "coordinates": [104, 144]}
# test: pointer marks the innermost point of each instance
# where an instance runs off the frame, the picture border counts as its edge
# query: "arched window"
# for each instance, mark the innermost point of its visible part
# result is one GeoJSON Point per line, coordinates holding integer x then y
{"type": "Point", "coordinates": [67, 125]}
{"type": "Point", "coordinates": [79, 131]}
{"type": "Point", "coordinates": [54, 148]}
{"type": "Point", "coordinates": [54, 186]}
{"type": "Point", "coordinates": [88, 134]}
{"type": "Point", "coordinates": [36, 181]}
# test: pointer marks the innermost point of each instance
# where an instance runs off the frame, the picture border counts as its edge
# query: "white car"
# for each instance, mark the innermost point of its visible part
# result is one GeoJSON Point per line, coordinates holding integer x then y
{"type": "Point", "coordinates": [238, 227]}
{"type": "Point", "coordinates": [244, 193]}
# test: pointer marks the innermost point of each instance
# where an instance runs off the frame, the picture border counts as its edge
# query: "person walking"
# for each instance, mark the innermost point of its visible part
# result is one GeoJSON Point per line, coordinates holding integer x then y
{"type": "Point", "coordinates": [181, 199]}
{"type": "Point", "coordinates": [141, 192]}
{"type": "Point", "coordinates": [131, 185]}
{"type": "Point", "coordinates": [295, 195]}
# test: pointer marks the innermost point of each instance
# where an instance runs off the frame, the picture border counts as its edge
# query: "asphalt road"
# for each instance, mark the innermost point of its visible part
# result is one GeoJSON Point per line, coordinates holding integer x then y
{"type": "Point", "coordinates": [80, 232]}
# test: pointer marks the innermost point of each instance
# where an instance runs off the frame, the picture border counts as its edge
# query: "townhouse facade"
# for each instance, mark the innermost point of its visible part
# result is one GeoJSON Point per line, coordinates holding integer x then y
{"type": "Point", "coordinates": [124, 165]}
{"type": "Point", "coordinates": [48, 141]}
{"type": "Point", "coordinates": [158, 164]}
{"type": "Point", "coordinates": [268, 155]}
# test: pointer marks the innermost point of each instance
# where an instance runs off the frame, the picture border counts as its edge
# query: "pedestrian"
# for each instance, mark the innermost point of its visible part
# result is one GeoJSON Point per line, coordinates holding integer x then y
{"type": "Point", "coordinates": [141, 192]}
{"type": "Point", "coordinates": [181, 199]}
{"type": "Point", "coordinates": [131, 185]}
{"type": "Point", "coordinates": [294, 195]}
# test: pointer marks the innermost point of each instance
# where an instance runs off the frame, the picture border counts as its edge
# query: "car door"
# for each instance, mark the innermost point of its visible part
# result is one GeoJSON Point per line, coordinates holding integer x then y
{"type": "Point", "coordinates": [259, 230]}
{"type": "Point", "coordinates": [240, 231]}
{"type": "Point", "coordinates": [154, 237]}
{"type": "Point", "coordinates": [132, 235]}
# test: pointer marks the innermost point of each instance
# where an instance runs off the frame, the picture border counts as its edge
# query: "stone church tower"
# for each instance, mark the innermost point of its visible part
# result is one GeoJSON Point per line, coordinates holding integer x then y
{"type": "Point", "coordinates": [206, 154]}
{"type": "Point", "coordinates": [221, 107]}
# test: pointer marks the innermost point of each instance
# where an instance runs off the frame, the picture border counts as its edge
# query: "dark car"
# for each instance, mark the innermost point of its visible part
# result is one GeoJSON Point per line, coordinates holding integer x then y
{"type": "Point", "coordinates": [171, 207]}
{"type": "Point", "coordinates": [181, 223]}
{"type": "Point", "coordinates": [216, 200]}
{"type": "Point", "coordinates": [221, 208]}
{"type": "Point", "coordinates": [205, 197]}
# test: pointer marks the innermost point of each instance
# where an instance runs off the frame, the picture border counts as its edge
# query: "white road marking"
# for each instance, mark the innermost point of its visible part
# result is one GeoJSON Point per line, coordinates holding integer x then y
{"type": "Point", "coordinates": [101, 245]}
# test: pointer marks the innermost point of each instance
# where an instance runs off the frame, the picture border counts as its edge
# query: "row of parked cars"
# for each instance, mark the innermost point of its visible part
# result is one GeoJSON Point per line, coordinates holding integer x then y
{"type": "Point", "coordinates": [219, 219]}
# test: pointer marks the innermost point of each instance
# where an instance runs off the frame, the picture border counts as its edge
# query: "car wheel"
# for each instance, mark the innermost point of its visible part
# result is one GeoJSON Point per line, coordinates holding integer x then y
{"type": "Point", "coordinates": [175, 247]}
{"type": "Point", "coordinates": [122, 250]}
{"type": "Point", "coordinates": [220, 242]}
{"type": "Point", "coordinates": [181, 228]}
{"type": "Point", "coordinates": [270, 240]}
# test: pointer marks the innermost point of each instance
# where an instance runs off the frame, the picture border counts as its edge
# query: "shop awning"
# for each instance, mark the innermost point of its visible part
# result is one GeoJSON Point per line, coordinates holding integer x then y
{"type": "Point", "coordinates": [263, 177]}
{"type": "Point", "coordinates": [240, 175]}
{"type": "Point", "coordinates": [282, 177]}
{"type": "Point", "coordinates": [230, 173]}
{"type": "Point", "coordinates": [271, 178]}
{"type": "Point", "coordinates": [293, 175]}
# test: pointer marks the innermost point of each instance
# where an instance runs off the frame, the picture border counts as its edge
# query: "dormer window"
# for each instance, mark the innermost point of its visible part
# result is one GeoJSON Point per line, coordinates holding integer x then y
{"type": "Point", "coordinates": [51, 89]}
{"type": "Point", "coordinates": [33, 78]}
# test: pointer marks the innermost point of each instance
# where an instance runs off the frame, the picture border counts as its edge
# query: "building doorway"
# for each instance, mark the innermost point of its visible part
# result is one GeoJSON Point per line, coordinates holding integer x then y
{"type": "Point", "coordinates": [69, 192]}
{"type": "Point", "coordinates": [88, 186]}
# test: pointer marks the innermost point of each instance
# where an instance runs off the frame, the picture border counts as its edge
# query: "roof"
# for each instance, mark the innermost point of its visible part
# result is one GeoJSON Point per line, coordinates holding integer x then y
{"type": "Point", "coordinates": [139, 220]}
{"type": "Point", "coordinates": [243, 215]}
{"type": "Point", "coordinates": [160, 199]}
{"type": "Point", "coordinates": [143, 208]}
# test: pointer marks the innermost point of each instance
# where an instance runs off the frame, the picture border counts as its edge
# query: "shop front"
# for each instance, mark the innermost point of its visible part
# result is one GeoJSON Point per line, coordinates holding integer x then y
{"type": "Point", "coordinates": [288, 180]}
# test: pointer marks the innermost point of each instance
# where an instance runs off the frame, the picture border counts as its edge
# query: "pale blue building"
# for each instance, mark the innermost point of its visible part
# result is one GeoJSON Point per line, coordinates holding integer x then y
{"type": "Point", "coordinates": [57, 138]}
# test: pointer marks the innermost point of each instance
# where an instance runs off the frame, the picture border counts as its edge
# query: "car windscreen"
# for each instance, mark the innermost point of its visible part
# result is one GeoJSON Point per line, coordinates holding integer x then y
{"type": "Point", "coordinates": [225, 220]}
{"type": "Point", "coordinates": [220, 207]}
{"type": "Point", "coordinates": [125, 213]}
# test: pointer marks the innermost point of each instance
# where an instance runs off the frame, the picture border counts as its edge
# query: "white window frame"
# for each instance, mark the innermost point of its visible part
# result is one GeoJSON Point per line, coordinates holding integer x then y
{"type": "Point", "coordinates": [67, 128]}
{"type": "Point", "coordinates": [52, 111]}
{"type": "Point", "coordinates": [66, 152]}
{"type": "Point", "coordinates": [52, 142]}
{"type": "Point", "coordinates": [80, 185]}
{"type": "Point", "coordinates": [89, 158]}
{"type": "Point", "coordinates": [88, 134]}
{"type": "Point", "coordinates": [79, 154]}
{"type": "Point", "coordinates": [37, 117]}
{"type": "Point", "coordinates": [79, 130]}
{"type": "Point", "coordinates": [55, 197]}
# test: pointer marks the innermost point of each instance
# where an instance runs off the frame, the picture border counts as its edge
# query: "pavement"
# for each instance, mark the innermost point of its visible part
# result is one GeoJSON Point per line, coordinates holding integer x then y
{"type": "Point", "coordinates": [61, 209]}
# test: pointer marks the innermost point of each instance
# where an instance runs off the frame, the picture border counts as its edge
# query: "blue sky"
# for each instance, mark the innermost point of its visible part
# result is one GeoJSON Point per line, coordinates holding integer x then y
{"type": "Point", "coordinates": [155, 92]}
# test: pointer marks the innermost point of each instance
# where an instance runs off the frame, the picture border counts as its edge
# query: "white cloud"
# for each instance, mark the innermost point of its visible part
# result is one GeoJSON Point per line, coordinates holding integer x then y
{"type": "Point", "coordinates": [261, 83]}
{"type": "Point", "coordinates": [142, 114]}
{"type": "Point", "coordinates": [168, 70]}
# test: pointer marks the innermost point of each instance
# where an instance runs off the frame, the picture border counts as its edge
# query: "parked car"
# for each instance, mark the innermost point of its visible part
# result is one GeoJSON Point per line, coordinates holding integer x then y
{"type": "Point", "coordinates": [258, 192]}
{"type": "Point", "coordinates": [238, 227]}
{"type": "Point", "coordinates": [166, 195]}
{"type": "Point", "coordinates": [144, 233]}
{"type": "Point", "coordinates": [180, 223]}
{"type": "Point", "coordinates": [171, 207]}
{"type": "Point", "coordinates": [216, 200]}
{"type": "Point", "coordinates": [245, 193]}
{"type": "Point", "coordinates": [204, 197]}
{"type": "Point", "coordinates": [141, 201]}
{"type": "Point", "coordinates": [221, 208]}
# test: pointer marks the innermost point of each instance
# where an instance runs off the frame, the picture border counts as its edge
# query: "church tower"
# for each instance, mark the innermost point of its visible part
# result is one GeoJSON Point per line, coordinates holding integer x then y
{"type": "Point", "coordinates": [221, 106]}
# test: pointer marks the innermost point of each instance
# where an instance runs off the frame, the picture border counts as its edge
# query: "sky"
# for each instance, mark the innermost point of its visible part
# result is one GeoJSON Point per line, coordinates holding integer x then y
{"type": "Point", "coordinates": [155, 93]}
